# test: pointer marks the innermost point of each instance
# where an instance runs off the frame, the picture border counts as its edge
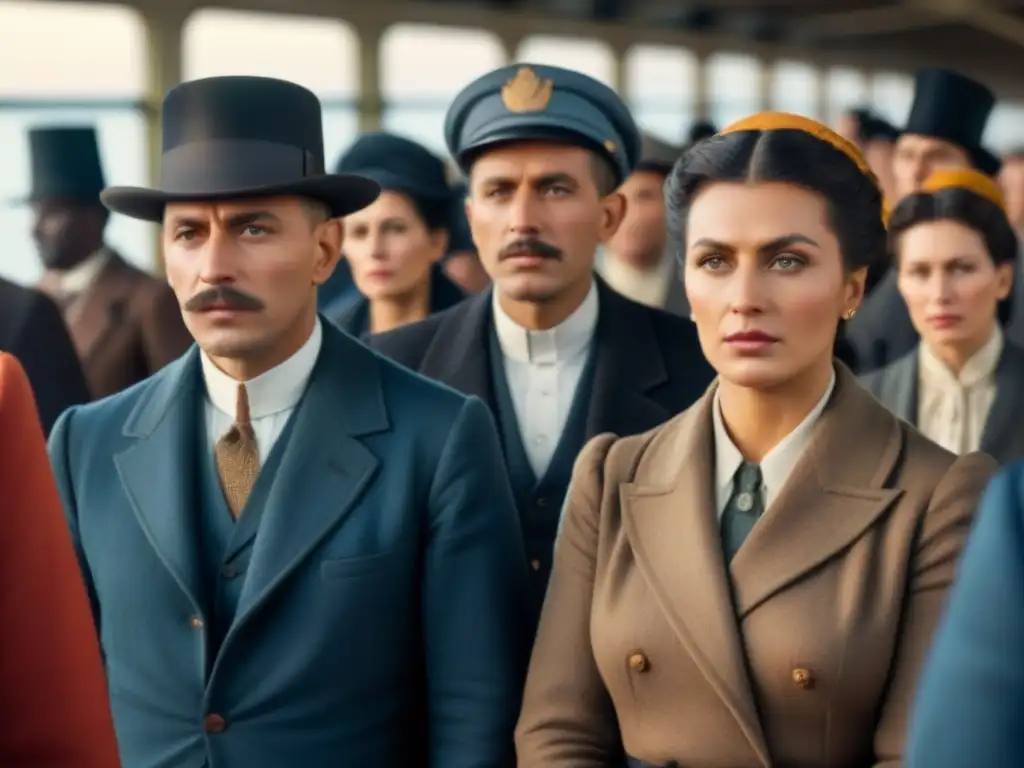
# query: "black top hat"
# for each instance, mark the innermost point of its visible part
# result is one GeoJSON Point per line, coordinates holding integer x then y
{"type": "Point", "coordinates": [954, 108]}
{"type": "Point", "coordinates": [65, 164]}
{"type": "Point", "coordinates": [231, 137]}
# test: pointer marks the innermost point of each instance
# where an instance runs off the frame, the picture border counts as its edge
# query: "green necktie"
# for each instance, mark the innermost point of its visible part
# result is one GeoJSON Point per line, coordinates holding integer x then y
{"type": "Point", "coordinates": [744, 507]}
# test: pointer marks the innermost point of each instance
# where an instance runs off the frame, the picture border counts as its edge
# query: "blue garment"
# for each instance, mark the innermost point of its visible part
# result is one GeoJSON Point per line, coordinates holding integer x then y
{"type": "Point", "coordinates": [379, 621]}
{"type": "Point", "coordinates": [969, 709]}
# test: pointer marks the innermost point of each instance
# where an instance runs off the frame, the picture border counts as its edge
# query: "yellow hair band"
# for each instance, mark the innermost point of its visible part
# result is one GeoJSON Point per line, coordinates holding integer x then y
{"type": "Point", "coordinates": [966, 178]}
{"type": "Point", "coordinates": [785, 121]}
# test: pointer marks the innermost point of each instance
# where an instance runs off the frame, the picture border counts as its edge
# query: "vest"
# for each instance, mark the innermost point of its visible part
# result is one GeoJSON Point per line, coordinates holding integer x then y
{"type": "Point", "coordinates": [539, 502]}
{"type": "Point", "coordinates": [225, 545]}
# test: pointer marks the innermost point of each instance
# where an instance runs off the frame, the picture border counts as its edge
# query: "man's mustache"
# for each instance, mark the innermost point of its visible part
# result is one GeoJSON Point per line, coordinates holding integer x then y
{"type": "Point", "coordinates": [530, 246]}
{"type": "Point", "coordinates": [222, 296]}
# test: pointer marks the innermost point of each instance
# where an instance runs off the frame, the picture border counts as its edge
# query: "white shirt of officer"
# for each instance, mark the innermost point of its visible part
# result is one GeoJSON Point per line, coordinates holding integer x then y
{"type": "Point", "coordinates": [543, 369]}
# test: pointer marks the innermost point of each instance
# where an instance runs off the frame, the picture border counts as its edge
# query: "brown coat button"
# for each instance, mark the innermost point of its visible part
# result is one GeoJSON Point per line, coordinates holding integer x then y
{"type": "Point", "coordinates": [535, 564]}
{"type": "Point", "coordinates": [638, 662]}
{"type": "Point", "coordinates": [803, 678]}
{"type": "Point", "coordinates": [215, 724]}
{"type": "Point", "coordinates": [195, 622]}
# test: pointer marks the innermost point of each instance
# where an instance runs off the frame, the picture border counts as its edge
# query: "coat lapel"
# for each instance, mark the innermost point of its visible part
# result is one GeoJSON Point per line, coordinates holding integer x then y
{"type": "Point", "coordinates": [629, 366]}
{"type": "Point", "coordinates": [324, 470]}
{"type": "Point", "coordinates": [1003, 437]}
{"type": "Point", "coordinates": [103, 308]}
{"type": "Point", "coordinates": [835, 493]}
{"type": "Point", "coordinates": [669, 517]}
{"type": "Point", "coordinates": [457, 355]}
{"type": "Point", "coordinates": [158, 470]}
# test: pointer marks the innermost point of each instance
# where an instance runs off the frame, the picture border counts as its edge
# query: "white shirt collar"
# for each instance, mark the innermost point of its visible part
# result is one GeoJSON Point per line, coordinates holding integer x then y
{"type": "Point", "coordinates": [81, 277]}
{"type": "Point", "coordinates": [279, 389]}
{"type": "Point", "coordinates": [777, 465]}
{"type": "Point", "coordinates": [980, 367]}
{"type": "Point", "coordinates": [553, 346]}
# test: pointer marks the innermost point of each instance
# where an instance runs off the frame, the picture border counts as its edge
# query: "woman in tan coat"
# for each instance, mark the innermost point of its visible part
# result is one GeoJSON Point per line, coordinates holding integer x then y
{"type": "Point", "coordinates": [682, 626]}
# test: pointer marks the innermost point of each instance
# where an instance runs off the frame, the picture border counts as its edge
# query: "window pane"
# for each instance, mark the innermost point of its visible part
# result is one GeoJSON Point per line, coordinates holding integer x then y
{"type": "Point", "coordinates": [892, 95]}
{"type": "Point", "coordinates": [71, 50]}
{"type": "Point", "coordinates": [122, 134]}
{"type": "Point", "coordinates": [734, 87]}
{"type": "Point", "coordinates": [591, 57]}
{"type": "Point", "coordinates": [321, 54]}
{"type": "Point", "coordinates": [661, 89]}
{"type": "Point", "coordinates": [1005, 131]}
{"type": "Point", "coordinates": [795, 88]}
{"type": "Point", "coordinates": [416, 97]}
{"type": "Point", "coordinates": [341, 127]}
{"type": "Point", "coordinates": [846, 89]}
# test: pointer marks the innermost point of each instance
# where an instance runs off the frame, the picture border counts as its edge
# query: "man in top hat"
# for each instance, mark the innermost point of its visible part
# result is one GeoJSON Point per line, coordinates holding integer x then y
{"type": "Point", "coordinates": [878, 139]}
{"type": "Point", "coordinates": [32, 330]}
{"type": "Point", "coordinates": [944, 130]}
{"type": "Point", "coordinates": [298, 552]}
{"type": "Point", "coordinates": [636, 260]}
{"type": "Point", "coordinates": [125, 323]}
{"type": "Point", "coordinates": [557, 354]}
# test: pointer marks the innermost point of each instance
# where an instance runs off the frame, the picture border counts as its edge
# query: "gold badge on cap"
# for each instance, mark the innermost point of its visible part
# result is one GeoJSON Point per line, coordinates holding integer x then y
{"type": "Point", "coordinates": [526, 92]}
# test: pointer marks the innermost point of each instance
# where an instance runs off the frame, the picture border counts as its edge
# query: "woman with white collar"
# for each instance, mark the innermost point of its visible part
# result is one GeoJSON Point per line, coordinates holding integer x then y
{"type": "Point", "coordinates": [955, 249]}
{"type": "Point", "coordinates": [756, 582]}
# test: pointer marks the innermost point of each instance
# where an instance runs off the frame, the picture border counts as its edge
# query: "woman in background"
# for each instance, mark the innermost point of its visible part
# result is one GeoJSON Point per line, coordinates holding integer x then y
{"type": "Point", "coordinates": [755, 582]}
{"type": "Point", "coordinates": [955, 250]}
{"type": "Point", "coordinates": [53, 694]}
{"type": "Point", "coordinates": [395, 246]}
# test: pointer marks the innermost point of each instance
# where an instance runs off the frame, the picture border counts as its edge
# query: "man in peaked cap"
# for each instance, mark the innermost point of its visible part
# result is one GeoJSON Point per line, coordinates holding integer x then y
{"type": "Point", "coordinates": [636, 261]}
{"type": "Point", "coordinates": [945, 128]}
{"type": "Point", "coordinates": [298, 553]}
{"type": "Point", "coordinates": [558, 355]}
{"type": "Point", "coordinates": [125, 323]}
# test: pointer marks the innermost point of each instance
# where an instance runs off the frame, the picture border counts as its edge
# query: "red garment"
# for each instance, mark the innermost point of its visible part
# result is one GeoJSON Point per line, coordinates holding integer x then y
{"type": "Point", "coordinates": [54, 710]}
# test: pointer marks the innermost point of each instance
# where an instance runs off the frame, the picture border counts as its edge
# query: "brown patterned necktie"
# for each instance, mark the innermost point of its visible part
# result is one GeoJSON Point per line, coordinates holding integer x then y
{"type": "Point", "coordinates": [238, 456]}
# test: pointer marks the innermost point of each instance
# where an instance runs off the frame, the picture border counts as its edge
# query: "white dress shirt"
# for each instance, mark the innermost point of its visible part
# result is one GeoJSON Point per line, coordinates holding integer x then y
{"type": "Point", "coordinates": [953, 408]}
{"type": "Point", "coordinates": [776, 466]}
{"type": "Point", "coordinates": [543, 369]}
{"type": "Point", "coordinates": [272, 395]}
{"type": "Point", "coordinates": [74, 284]}
{"type": "Point", "coordinates": [648, 286]}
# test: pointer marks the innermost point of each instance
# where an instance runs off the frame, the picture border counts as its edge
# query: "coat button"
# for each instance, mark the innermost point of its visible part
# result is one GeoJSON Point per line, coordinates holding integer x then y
{"type": "Point", "coordinates": [535, 564]}
{"type": "Point", "coordinates": [803, 678]}
{"type": "Point", "coordinates": [215, 724]}
{"type": "Point", "coordinates": [195, 622]}
{"type": "Point", "coordinates": [638, 662]}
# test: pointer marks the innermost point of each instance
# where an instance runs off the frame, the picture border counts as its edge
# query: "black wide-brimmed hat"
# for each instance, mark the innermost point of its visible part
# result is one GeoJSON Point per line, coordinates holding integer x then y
{"type": "Point", "coordinates": [65, 164]}
{"type": "Point", "coordinates": [954, 108]}
{"type": "Point", "coordinates": [398, 164]}
{"type": "Point", "coordinates": [226, 138]}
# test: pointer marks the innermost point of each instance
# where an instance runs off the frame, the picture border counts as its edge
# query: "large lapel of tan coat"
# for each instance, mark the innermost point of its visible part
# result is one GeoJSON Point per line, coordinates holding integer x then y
{"type": "Point", "coordinates": [669, 514]}
{"type": "Point", "coordinates": [835, 493]}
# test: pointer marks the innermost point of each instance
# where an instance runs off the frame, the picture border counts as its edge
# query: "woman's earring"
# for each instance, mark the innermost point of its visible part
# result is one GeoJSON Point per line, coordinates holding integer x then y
{"type": "Point", "coordinates": [850, 313]}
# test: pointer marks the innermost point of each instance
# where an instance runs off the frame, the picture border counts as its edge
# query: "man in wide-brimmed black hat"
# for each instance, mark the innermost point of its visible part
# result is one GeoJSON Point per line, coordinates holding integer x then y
{"type": "Point", "coordinates": [125, 323]}
{"type": "Point", "coordinates": [299, 553]}
{"type": "Point", "coordinates": [944, 130]}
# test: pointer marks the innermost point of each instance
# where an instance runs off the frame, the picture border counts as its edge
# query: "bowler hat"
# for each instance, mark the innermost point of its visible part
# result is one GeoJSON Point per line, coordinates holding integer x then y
{"type": "Point", "coordinates": [65, 164]}
{"type": "Point", "coordinates": [397, 163]}
{"type": "Point", "coordinates": [234, 137]}
{"type": "Point", "coordinates": [954, 108]}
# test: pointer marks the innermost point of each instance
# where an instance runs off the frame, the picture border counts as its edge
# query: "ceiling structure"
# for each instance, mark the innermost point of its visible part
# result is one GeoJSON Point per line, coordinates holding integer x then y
{"type": "Point", "coordinates": [981, 37]}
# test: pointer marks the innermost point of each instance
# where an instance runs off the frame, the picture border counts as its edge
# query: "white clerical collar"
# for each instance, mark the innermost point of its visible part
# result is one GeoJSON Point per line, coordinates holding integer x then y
{"type": "Point", "coordinates": [81, 277]}
{"type": "Point", "coordinates": [777, 465]}
{"type": "Point", "coordinates": [279, 389]}
{"type": "Point", "coordinates": [561, 343]}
